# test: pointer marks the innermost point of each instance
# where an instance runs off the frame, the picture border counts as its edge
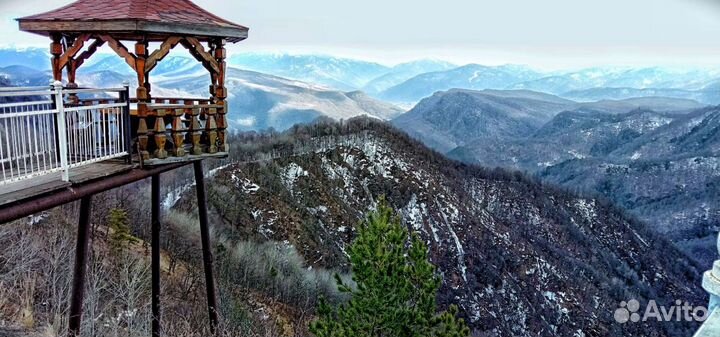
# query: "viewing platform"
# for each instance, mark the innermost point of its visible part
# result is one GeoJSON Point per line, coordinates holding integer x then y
{"type": "Point", "coordinates": [53, 137]}
{"type": "Point", "coordinates": [64, 143]}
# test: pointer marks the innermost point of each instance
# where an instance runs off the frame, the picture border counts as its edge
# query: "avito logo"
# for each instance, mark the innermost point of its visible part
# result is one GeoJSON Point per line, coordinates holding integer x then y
{"type": "Point", "coordinates": [629, 311]}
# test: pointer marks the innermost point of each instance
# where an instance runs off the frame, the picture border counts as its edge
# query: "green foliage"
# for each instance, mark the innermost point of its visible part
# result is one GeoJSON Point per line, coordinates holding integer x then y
{"type": "Point", "coordinates": [121, 236]}
{"type": "Point", "coordinates": [396, 287]}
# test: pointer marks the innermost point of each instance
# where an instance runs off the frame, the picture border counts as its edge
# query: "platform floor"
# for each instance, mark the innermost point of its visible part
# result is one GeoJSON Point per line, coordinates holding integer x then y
{"type": "Point", "coordinates": [35, 186]}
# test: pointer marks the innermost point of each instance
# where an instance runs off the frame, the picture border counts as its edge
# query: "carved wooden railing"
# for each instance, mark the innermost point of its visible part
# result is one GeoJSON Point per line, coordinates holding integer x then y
{"type": "Point", "coordinates": [173, 129]}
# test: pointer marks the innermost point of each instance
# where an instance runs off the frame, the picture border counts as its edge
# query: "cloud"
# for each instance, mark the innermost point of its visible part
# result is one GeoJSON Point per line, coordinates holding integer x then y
{"type": "Point", "coordinates": [511, 30]}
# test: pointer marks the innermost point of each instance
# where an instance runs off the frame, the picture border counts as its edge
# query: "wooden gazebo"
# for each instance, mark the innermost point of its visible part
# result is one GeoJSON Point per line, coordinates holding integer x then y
{"type": "Point", "coordinates": [197, 127]}
{"type": "Point", "coordinates": [63, 146]}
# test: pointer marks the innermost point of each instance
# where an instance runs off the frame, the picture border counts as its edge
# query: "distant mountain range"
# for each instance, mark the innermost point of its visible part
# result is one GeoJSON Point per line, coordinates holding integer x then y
{"type": "Point", "coordinates": [408, 83]}
{"type": "Point", "coordinates": [657, 157]}
{"type": "Point", "coordinates": [258, 101]}
{"type": "Point", "coordinates": [587, 85]}
{"type": "Point", "coordinates": [457, 117]}
{"type": "Point", "coordinates": [19, 75]}
{"type": "Point", "coordinates": [339, 73]}
{"type": "Point", "coordinates": [33, 58]}
{"type": "Point", "coordinates": [448, 119]}
{"type": "Point", "coordinates": [472, 76]}
{"type": "Point", "coordinates": [605, 139]}
{"type": "Point", "coordinates": [404, 71]}
{"type": "Point", "coordinates": [708, 95]}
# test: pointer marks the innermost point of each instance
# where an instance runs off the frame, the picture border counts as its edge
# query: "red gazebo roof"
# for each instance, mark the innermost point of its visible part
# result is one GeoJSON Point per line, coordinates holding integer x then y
{"type": "Point", "coordinates": [152, 17]}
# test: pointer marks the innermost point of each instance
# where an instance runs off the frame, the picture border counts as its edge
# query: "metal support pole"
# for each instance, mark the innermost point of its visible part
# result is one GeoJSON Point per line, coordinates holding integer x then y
{"type": "Point", "coordinates": [78, 283]}
{"type": "Point", "coordinates": [207, 250]}
{"type": "Point", "coordinates": [127, 123]}
{"type": "Point", "coordinates": [56, 119]}
{"type": "Point", "coordinates": [155, 255]}
{"type": "Point", "coordinates": [62, 130]}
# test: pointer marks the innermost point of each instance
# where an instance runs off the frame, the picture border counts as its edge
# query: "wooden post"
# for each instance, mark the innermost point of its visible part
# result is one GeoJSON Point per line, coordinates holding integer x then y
{"type": "Point", "coordinates": [125, 98]}
{"type": "Point", "coordinates": [56, 51]}
{"type": "Point", "coordinates": [219, 92]}
{"type": "Point", "coordinates": [143, 97]}
{"type": "Point", "coordinates": [155, 210]}
{"type": "Point", "coordinates": [71, 71]}
{"type": "Point", "coordinates": [206, 248]}
{"type": "Point", "coordinates": [78, 283]}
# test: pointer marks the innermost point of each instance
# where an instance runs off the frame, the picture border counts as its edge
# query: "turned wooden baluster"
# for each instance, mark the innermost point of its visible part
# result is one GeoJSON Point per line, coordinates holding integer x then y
{"type": "Point", "coordinates": [160, 137]}
{"type": "Point", "coordinates": [195, 130]}
{"type": "Point", "coordinates": [178, 130]}
{"type": "Point", "coordinates": [211, 129]}
{"type": "Point", "coordinates": [159, 131]}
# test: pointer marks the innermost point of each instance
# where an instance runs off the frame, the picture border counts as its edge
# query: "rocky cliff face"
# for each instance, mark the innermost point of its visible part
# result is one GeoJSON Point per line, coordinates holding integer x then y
{"type": "Point", "coordinates": [519, 258]}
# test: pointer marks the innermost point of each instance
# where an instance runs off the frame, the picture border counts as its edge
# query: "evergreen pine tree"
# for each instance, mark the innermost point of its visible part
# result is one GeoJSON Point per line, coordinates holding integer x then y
{"type": "Point", "coordinates": [121, 236]}
{"type": "Point", "coordinates": [395, 289]}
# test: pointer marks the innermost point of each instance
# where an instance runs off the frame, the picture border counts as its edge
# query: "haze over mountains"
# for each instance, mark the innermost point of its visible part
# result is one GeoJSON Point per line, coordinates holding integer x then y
{"type": "Point", "coordinates": [260, 101]}
{"type": "Point", "coordinates": [408, 83]}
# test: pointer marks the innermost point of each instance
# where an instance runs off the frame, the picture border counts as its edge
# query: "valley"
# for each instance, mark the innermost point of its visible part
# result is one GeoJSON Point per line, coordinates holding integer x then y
{"type": "Point", "coordinates": [656, 157]}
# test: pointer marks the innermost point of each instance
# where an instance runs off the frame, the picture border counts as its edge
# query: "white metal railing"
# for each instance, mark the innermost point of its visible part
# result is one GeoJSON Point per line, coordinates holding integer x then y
{"type": "Point", "coordinates": [41, 134]}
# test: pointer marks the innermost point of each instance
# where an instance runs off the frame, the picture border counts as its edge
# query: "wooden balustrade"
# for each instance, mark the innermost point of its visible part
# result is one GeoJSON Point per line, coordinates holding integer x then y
{"type": "Point", "coordinates": [181, 128]}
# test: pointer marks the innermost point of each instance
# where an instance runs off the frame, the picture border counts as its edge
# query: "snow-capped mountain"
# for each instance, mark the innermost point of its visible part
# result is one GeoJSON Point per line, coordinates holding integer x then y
{"type": "Point", "coordinates": [707, 95]}
{"type": "Point", "coordinates": [472, 76]}
{"type": "Point", "coordinates": [102, 62]}
{"type": "Point", "coordinates": [334, 72]}
{"type": "Point", "coordinates": [170, 67]}
{"type": "Point", "coordinates": [260, 101]}
{"type": "Point", "coordinates": [608, 77]}
{"type": "Point", "coordinates": [18, 75]}
{"type": "Point", "coordinates": [177, 66]}
{"type": "Point", "coordinates": [403, 72]}
{"type": "Point", "coordinates": [34, 58]}
{"type": "Point", "coordinates": [589, 84]}
{"type": "Point", "coordinates": [408, 83]}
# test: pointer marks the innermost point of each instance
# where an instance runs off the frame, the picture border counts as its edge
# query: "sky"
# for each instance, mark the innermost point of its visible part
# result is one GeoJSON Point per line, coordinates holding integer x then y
{"type": "Point", "coordinates": [542, 33]}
